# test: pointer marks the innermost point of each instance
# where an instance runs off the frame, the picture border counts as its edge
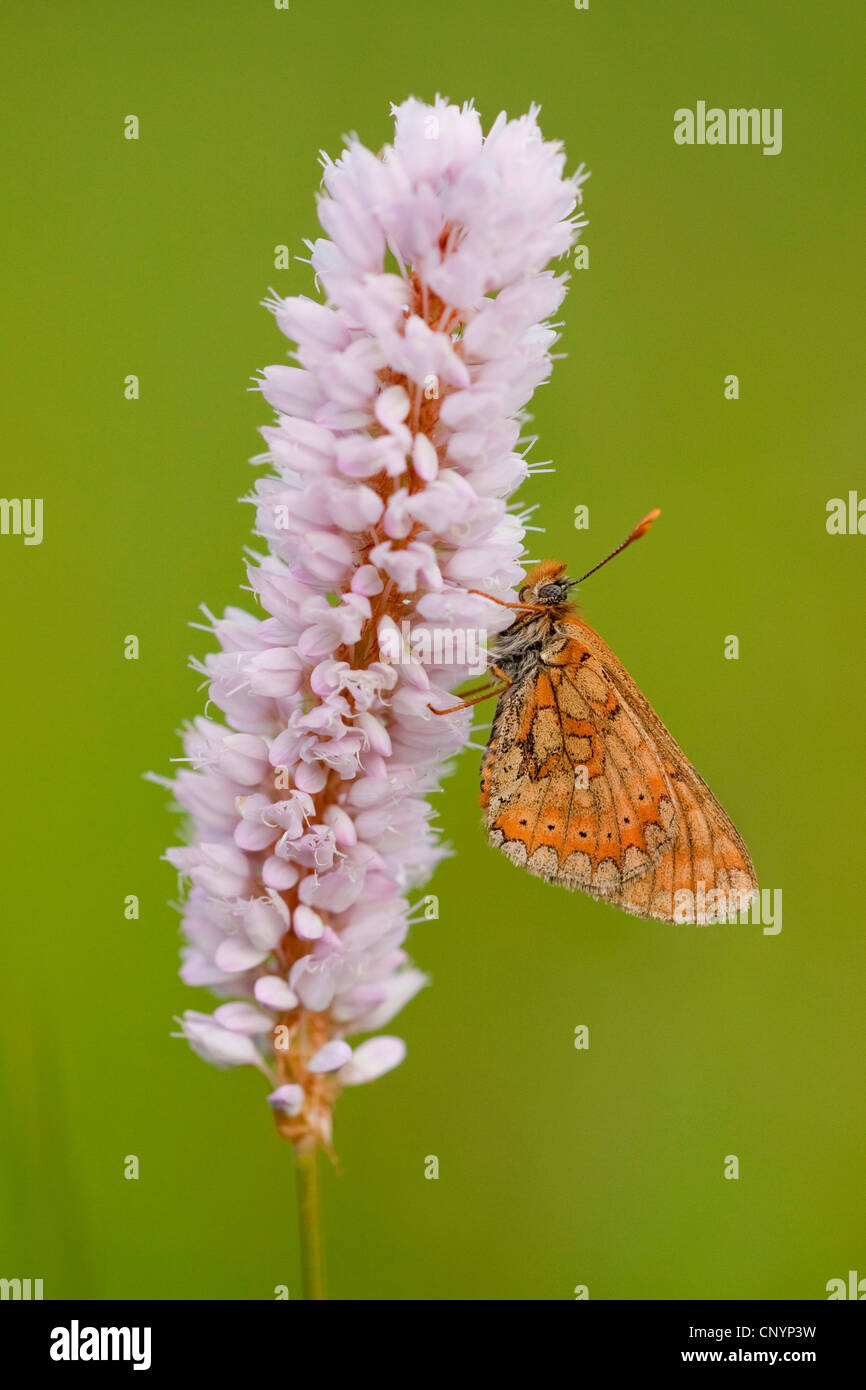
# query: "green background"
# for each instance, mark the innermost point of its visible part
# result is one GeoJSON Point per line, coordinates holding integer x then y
{"type": "Point", "coordinates": [558, 1167]}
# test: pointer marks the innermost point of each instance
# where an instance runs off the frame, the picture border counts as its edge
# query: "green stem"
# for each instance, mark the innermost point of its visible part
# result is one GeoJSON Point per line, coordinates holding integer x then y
{"type": "Point", "coordinates": [310, 1224]}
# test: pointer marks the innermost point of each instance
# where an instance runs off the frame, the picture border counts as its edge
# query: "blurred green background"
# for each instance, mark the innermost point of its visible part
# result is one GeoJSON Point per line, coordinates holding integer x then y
{"type": "Point", "coordinates": [558, 1167]}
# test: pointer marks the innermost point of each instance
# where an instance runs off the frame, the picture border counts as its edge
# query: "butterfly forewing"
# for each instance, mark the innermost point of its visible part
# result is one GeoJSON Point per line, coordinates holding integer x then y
{"type": "Point", "coordinates": [583, 785]}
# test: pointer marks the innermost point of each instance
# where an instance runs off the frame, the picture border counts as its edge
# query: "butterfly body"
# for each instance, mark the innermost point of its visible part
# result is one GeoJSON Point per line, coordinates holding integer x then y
{"type": "Point", "coordinates": [583, 785]}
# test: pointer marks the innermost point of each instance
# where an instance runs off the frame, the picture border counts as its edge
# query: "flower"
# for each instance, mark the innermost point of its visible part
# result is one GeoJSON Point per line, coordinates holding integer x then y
{"type": "Point", "coordinates": [395, 448]}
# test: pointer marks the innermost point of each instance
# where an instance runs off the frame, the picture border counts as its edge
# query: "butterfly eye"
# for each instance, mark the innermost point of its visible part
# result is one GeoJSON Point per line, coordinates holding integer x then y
{"type": "Point", "coordinates": [550, 593]}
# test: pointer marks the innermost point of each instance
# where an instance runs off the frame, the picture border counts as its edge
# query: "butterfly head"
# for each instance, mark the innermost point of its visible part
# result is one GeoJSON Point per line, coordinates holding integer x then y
{"type": "Point", "coordinates": [547, 585]}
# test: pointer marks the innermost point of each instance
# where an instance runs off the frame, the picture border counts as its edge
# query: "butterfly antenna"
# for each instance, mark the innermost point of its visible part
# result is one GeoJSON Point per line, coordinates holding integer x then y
{"type": "Point", "coordinates": [635, 535]}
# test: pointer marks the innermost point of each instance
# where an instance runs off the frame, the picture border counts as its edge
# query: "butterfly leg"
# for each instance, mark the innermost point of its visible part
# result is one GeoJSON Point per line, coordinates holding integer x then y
{"type": "Point", "coordinates": [476, 690]}
{"type": "Point", "coordinates": [486, 694]}
{"type": "Point", "coordinates": [498, 672]}
{"type": "Point", "coordinates": [521, 607]}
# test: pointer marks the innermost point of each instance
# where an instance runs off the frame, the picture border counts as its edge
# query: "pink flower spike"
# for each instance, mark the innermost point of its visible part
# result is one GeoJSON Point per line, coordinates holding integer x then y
{"type": "Point", "coordinates": [395, 447]}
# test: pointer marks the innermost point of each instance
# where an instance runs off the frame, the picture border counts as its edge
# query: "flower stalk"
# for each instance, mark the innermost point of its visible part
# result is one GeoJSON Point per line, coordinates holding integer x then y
{"type": "Point", "coordinates": [310, 1222]}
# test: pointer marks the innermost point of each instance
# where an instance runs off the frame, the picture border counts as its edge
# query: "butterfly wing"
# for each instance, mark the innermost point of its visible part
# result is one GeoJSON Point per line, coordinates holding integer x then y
{"type": "Point", "coordinates": [583, 785]}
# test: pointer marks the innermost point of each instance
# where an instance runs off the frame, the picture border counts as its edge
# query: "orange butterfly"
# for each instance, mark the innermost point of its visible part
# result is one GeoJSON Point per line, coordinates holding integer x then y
{"type": "Point", "coordinates": [583, 785]}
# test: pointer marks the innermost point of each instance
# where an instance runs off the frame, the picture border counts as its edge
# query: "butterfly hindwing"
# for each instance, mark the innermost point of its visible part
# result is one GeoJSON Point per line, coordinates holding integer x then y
{"type": "Point", "coordinates": [583, 785]}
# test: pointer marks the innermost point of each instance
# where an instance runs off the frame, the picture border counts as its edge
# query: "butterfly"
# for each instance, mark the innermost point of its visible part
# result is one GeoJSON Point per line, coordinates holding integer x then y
{"type": "Point", "coordinates": [581, 782]}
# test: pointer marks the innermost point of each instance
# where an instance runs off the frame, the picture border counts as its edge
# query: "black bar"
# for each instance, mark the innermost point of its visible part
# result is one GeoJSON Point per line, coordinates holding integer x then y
{"type": "Point", "coordinates": [251, 1338]}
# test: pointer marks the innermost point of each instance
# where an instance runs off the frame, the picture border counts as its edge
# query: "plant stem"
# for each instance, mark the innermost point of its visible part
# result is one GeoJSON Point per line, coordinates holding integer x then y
{"type": "Point", "coordinates": [310, 1223]}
